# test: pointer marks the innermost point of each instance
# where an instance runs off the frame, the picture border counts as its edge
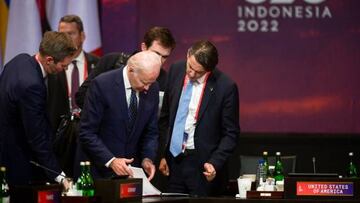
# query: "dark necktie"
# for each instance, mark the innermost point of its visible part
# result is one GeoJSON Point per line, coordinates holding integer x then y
{"type": "Point", "coordinates": [132, 109]}
{"type": "Point", "coordinates": [74, 84]}
{"type": "Point", "coordinates": [177, 138]}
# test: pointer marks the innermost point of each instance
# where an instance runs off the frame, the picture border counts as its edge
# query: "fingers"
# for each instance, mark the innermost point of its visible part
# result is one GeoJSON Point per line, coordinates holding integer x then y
{"type": "Point", "coordinates": [150, 171]}
{"type": "Point", "coordinates": [163, 167]}
{"type": "Point", "coordinates": [66, 183]}
{"type": "Point", "coordinates": [210, 172]}
{"type": "Point", "coordinates": [120, 166]}
{"type": "Point", "coordinates": [149, 168]}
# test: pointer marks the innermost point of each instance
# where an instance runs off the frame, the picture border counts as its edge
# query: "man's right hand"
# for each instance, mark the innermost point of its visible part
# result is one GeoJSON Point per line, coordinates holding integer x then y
{"type": "Point", "coordinates": [120, 166]}
{"type": "Point", "coordinates": [163, 167]}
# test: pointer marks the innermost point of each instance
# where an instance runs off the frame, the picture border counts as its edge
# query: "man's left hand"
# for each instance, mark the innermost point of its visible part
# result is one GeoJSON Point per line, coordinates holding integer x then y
{"type": "Point", "coordinates": [210, 172]}
{"type": "Point", "coordinates": [148, 167]}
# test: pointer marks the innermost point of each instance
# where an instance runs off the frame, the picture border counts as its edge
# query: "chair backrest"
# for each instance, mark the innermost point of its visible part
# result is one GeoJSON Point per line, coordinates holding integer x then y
{"type": "Point", "coordinates": [248, 164]}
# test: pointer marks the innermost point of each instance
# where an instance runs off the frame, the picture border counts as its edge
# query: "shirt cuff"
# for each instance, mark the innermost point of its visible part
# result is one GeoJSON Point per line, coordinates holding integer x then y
{"type": "Point", "coordinates": [59, 178]}
{"type": "Point", "coordinates": [109, 162]}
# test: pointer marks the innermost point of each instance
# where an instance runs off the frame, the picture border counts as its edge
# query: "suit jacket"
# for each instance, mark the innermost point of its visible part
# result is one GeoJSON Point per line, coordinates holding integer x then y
{"type": "Point", "coordinates": [110, 62]}
{"type": "Point", "coordinates": [58, 99]}
{"type": "Point", "coordinates": [104, 124]}
{"type": "Point", "coordinates": [24, 126]}
{"type": "Point", "coordinates": [217, 127]}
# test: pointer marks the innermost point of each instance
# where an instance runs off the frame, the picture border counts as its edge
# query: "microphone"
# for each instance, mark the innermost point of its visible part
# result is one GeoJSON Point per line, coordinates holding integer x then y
{"type": "Point", "coordinates": [47, 169]}
{"type": "Point", "coordinates": [314, 165]}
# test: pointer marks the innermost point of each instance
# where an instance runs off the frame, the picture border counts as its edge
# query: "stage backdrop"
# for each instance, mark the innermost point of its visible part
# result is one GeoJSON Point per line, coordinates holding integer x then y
{"type": "Point", "coordinates": [296, 62]}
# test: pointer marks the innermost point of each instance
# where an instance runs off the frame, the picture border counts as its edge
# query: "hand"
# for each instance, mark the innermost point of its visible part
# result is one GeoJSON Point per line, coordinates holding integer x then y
{"type": "Point", "coordinates": [148, 167]}
{"type": "Point", "coordinates": [67, 184]}
{"type": "Point", "coordinates": [163, 167]}
{"type": "Point", "coordinates": [120, 166]}
{"type": "Point", "coordinates": [210, 172]}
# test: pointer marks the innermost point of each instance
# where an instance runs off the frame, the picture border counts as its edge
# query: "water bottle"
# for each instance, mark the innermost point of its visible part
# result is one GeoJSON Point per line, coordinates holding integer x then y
{"type": "Point", "coordinates": [260, 173]}
{"type": "Point", "coordinates": [279, 171]}
{"type": "Point", "coordinates": [80, 183]}
{"type": "Point", "coordinates": [351, 170]}
{"type": "Point", "coordinates": [266, 165]}
{"type": "Point", "coordinates": [4, 192]}
{"type": "Point", "coordinates": [89, 188]}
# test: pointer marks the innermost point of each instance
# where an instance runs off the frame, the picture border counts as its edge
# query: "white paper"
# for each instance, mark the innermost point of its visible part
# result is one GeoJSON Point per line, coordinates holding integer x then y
{"type": "Point", "coordinates": [148, 188]}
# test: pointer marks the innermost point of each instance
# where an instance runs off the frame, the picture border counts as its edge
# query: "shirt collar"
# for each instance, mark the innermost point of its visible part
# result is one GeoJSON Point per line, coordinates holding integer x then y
{"type": "Point", "coordinates": [126, 79]}
{"type": "Point", "coordinates": [200, 80]}
{"type": "Point", "coordinates": [44, 74]}
{"type": "Point", "coordinates": [80, 57]}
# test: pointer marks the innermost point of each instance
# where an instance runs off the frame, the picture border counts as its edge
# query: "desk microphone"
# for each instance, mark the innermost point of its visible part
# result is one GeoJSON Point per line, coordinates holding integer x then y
{"type": "Point", "coordinates": [314, 165]}
{"type": "Point", "coordinates": [47, 169]}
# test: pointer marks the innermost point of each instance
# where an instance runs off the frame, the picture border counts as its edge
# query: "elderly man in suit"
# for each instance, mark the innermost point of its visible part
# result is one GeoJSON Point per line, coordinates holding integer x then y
{"type": "Point", "coordinates": [119, 119]}
{"type": "Point", "coordinates": [199, 123]}
{"type": "Point", "coordinates": [25, 130]}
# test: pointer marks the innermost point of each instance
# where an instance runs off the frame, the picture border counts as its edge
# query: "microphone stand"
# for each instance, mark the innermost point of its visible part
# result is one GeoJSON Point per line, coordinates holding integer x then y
{"type": "Point", "coordinates": [47, 169]}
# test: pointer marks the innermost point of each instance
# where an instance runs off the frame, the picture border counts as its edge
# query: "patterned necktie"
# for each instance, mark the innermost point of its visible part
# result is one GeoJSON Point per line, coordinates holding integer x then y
{"type": "Point", "coordinates": [132, 109]}
{"type": "Point", "coordinates": [74, 84]}
{"type": "Point", "coordinates": [180, 119]}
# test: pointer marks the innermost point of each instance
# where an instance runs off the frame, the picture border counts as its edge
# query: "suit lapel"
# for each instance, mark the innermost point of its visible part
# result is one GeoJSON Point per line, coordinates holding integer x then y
{"type": "Point", "coordinates": [119, 87]}
{"type": "Point", "coordinates": [208, 92]}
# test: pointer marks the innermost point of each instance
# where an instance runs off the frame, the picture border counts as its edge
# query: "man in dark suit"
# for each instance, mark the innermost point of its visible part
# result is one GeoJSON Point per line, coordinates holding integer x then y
{"type": "Point", "coordinates": [61, 99]}
{"type": "Point", "coordinates": [156, 39]}
{"type": "Point", "coordinates": [119, 120]}
{"type": "Point", "coordinates": [199, 123]}
{"type": "Point", "coordinates": [25, 130]}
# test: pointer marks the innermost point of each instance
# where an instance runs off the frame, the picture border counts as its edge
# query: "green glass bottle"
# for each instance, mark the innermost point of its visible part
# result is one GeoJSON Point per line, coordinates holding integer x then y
{"type": "Point", "coordinates": [80, 183]}
{"type": "Point", "coordinates": [266, 164]}
{"type": "Point", "coordinates": [279, 171]}
{"type": "Point", "coordinates": [89, 188]}
{"type": "Point", "coordinates": [351, 170]}
{"type": "Point", "coordinates": [4, 193]}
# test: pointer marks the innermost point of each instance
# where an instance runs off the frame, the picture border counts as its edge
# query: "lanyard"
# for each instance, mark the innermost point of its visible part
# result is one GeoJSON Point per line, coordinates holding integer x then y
{"type": "Point", "coordinates": [186, 79]}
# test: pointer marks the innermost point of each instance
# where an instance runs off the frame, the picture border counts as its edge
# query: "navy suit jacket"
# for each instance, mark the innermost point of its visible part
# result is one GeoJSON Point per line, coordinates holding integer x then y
{"type": "Point", "coordinates": [25, 131]}
{"type": "Point", "coordinates": [217, 127]}
{"type": "Point", "coordinates": [104, 124]}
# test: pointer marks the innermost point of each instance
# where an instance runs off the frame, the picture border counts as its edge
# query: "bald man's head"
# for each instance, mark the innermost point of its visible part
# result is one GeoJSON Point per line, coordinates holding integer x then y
{"type": "Point", "coordinates": [143, 69]}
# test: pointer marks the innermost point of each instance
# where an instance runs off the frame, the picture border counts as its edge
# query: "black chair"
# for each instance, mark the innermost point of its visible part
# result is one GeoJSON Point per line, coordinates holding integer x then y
{"type": "Point", "coordinates": [248, 164]}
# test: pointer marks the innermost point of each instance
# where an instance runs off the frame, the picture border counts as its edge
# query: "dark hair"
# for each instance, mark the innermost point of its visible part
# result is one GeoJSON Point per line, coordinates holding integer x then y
{"type": "Point", "coordinates": [162, 34]}
{"type": "Point", "coordinates": [205, 54]}
{"type": "Point", "coordinates": [57, 45]}
{"type": "Point", "coordinates": [73, 19]}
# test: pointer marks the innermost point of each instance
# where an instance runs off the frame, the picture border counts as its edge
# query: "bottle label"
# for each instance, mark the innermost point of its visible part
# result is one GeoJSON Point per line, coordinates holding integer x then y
{"type": "Point", "coordinates": [4, 187]}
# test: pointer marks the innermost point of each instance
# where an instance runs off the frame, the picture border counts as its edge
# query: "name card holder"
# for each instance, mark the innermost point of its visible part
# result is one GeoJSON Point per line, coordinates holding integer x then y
{"type": "Point", "coordinates": [321, 188]}
{"type": "Point", "coordinates": [36, 193]}
{"type": "Point", "coordinates": [119, 190]}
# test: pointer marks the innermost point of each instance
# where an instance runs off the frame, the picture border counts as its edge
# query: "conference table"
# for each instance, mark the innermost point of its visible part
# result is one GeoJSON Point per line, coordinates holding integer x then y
{"type": "Point", "coordinates": [237, 200]}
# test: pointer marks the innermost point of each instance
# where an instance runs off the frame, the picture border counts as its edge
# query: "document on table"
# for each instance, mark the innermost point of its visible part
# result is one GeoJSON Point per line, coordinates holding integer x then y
{"type": "Point", "coordinates": [148, 188]}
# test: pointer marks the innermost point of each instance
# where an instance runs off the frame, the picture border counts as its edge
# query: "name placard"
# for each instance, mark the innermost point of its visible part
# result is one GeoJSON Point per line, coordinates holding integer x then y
{"type": "Point", "coordinates": [324, 188]}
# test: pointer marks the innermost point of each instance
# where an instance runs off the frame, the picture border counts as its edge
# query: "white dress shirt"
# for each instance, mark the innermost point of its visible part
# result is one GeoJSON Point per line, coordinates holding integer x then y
{"type": "Point", "coordinates": [190, 123]}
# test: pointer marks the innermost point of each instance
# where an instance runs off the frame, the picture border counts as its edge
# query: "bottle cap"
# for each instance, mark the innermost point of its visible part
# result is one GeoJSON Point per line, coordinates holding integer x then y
{"type": "Point", "coordinates": [351, 153]}
{"type": "Point", "coordinates": [82, 163]}
{"type": "Point", "coordinates": [265, 153]}
{"type": "Point", "coordinates": [2, 168]}
{"type": "Point", "coordinates": [87, 163]}
{"type": "Point", "coordinates": [278, 153]}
